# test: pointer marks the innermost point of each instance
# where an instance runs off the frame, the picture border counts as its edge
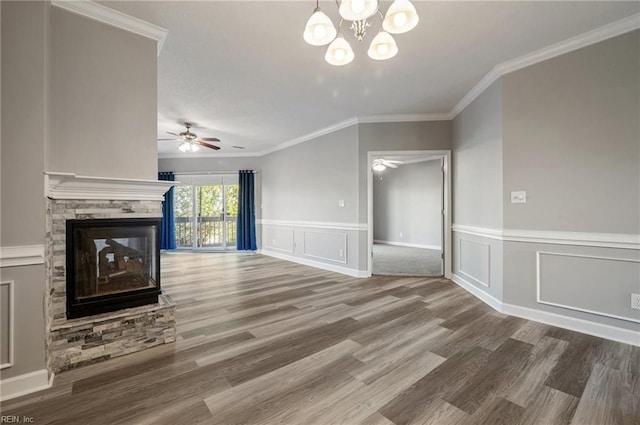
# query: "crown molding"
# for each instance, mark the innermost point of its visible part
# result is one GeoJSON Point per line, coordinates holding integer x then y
{"type": "Point", "coordinates": [597, 35]}
{"type": "Point", "coordinates": [440, 116]}
{"type": "Point", "coordinates": [321, 132]}
{"type": "Point", "coordinates": [111, 17]}
{"type": "Point", "coordinates": [71, 186]}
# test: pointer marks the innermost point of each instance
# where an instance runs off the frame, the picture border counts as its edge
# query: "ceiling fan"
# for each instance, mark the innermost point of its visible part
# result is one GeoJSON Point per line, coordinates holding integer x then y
{"type": "Point", "coordinates": [380, 164]}
{"type": "Point", "coordinates": [191, 141]}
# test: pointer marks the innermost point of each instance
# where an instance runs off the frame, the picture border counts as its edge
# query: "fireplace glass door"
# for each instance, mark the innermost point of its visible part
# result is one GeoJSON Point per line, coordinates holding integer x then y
{"type": "Point", "coordinates": [111, 264]}
{"type": "Point", "coordinates": [206, 209]}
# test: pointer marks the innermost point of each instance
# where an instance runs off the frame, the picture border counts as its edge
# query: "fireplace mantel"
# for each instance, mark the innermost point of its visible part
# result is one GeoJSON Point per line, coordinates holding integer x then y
{"type": "Point", "coordinates": [72, 186]}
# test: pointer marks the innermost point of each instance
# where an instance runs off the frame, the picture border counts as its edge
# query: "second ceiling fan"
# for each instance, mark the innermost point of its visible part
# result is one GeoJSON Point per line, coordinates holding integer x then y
{"type": "Point", "coordinates": [191, 141]}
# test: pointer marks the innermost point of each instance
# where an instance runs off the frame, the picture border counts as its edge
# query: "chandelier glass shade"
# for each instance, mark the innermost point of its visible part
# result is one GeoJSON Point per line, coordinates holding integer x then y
{"type": "Point", "coordinates": [319, 30]}
{"type": "Point", "coordinates": [401, 17]}
{"type": "Point", "coordinates": [188, 146]}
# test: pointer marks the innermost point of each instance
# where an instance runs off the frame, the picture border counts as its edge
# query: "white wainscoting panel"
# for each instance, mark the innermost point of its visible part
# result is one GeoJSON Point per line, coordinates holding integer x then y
{"type": "Point", "coordinates": [562, 279]}
{"type": "Point", "coordinates": [474, 261]}
{"type": "Point", "coordinates": [325, 246]}
{"type": "Point", "coordinates": [7, 324]}
{"type": "Point", "coordinates": [279, 239]}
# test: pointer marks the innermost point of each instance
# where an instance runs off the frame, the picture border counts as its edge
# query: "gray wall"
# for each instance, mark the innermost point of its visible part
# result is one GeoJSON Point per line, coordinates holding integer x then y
{"type": "Point", "coordinates": [477, 191]}
{"type": "Point", "coordinates": [303, 184]}
{"type": "Point", "coordinates": [22, 143]}
{"type": "Point", "coordinates": [397, 136]}
{"type": "Point", "coordinates": [408, 200]}
{"type": "Point", "coordinates": [104, 99]}
{"type": "Point", "coordinates": [572, 141]}
{"type": "Point", "coordinates": [477, 161]}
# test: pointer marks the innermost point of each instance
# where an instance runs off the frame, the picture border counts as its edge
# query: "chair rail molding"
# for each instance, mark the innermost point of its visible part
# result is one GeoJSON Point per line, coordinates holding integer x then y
{"type": "Point", "coordinates": [26, 255]}
{"type": "Point", "coordinates": [602, 240]}
{"type": "Point", "coordinates": [315, 224]}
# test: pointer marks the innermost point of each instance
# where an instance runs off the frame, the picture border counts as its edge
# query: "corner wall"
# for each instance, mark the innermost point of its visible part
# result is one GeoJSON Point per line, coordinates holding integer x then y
{"type": "Point", "coordinates": [477, 194]}
{"type": "Point", "coordinates": [572, 142]}
{"type": "Point", "coordinates": [22, 142]}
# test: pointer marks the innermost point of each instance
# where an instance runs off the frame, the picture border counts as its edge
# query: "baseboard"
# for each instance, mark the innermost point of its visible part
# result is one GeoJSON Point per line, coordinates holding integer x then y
{"type": "Point", "coordinates": [25, 384]}
{"type": "Point", "coordinates": [613, 333]}
{"type": "Point", "coordinates": [477, 292]}
{"type": "Point", "coordinates": [410, 245]}
{"type": "Point", "coordinates": [317, 264]}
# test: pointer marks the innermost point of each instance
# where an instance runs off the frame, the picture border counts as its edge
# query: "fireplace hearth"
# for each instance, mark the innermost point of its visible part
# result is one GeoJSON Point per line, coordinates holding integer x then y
{"type": "Point", "coordinates": [111, 264]}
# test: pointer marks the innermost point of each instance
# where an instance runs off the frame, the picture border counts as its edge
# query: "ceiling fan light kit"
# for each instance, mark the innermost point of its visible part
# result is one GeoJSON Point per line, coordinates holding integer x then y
{"type": "Point", "coordinates": [401, 17]}
{"type": "Point", "coordinates": [191, 142]}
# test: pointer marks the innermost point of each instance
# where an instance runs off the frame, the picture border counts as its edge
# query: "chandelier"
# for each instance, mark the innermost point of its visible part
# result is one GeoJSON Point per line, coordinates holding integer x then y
{"type": "Point", "coordinates": [319, 31]}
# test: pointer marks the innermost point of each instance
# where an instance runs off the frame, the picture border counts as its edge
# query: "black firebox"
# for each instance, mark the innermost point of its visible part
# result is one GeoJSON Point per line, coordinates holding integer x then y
{"type": "Point", "coordinates": [112, 264]}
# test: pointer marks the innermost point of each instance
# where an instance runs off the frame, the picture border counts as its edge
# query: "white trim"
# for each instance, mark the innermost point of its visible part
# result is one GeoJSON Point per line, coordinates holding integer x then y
{"type": "Point", "coordinates": [344, 246]}
{"type": "Point", "coordinates": [11, 319]}
{"type": "Point", "coordinates": [484, 232]}
{"type": "Point", "coordinates": [605, 32]}
{"type": "Point", "coordinates": [114, 18]}
{"type": "Point", "coordinates": [71, 186]}
{"type": "Point", "coordinates": [314, 134]}
{"type": "Point", "coordinates": [467, 275]}
{"type": "Point", "coordinates": [477, 292]}
{"type": "Point", "coordinates": [410, 245]}
{"type": "Point", "coordinates": [446, 156]}
{"type": "Point", "coordinates": [603, 240]}
{"type": "Point", "coordinates": [26, 255]}
{"type": "Point", "coordinates": [25, 384]}
{"type": "Point", "coordinates": [613, 333]}
{"type": "Point", "coordinates": [324, 266]}
{"type": "Point", "coordinates": [584, 310]}
{"type": "Point", "coordinates": [314, 224]}
{"type": "Point", "coordinates": [446, 116]}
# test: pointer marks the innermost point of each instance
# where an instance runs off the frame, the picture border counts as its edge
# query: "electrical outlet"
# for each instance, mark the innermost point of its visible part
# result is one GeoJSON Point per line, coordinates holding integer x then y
{"type": "Point", "coordinates": [341, 253]}
{"type": "Point", "coordinates": [635, 301]}
{"type": "Point", "coordinates": [401, 235]}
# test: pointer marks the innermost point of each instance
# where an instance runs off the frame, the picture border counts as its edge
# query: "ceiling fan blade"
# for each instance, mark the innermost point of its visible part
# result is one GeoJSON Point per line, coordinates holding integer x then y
{"type": "Point", "coordinates": [173, 134]}
{"type": "Point", "coordinates": [393, 161]}
{"type": "Point", "coordinates": [390, 165]}
{"type": "Point", "coordinates": [207, 145]}
{"type": "Point", "coordinates": [210, 139]}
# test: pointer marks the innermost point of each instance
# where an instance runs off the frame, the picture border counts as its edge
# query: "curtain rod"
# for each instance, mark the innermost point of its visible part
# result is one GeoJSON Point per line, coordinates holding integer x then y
{"type": "Point", "coordinates": [206, 173]}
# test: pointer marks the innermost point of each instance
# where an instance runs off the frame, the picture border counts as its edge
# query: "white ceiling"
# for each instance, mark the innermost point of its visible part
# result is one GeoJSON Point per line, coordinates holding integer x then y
{"type": "Point", "coordinates": [243, 73]}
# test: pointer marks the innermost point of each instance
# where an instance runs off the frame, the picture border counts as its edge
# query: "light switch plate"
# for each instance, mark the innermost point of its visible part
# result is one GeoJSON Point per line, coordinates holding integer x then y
{"type": "Point", "coordinates": [519, 197]}
{"type": "Point", "coordinates": [341, 203]}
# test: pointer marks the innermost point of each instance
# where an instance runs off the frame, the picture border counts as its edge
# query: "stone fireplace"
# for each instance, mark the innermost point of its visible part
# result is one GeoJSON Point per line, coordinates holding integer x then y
{"type": "Point", "coordinates": [103, 297]}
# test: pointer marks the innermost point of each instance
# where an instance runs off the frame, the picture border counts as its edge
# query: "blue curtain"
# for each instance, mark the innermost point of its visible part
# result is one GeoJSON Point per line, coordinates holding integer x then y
{"type": "Point", "coordinates": [246, 213]}
{"type": "Point", "coordinates": [167, 225]}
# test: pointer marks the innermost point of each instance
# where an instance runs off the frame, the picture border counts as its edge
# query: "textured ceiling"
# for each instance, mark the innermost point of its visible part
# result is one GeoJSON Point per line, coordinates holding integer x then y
{"type": "Point", "coordinates": [243, 73]}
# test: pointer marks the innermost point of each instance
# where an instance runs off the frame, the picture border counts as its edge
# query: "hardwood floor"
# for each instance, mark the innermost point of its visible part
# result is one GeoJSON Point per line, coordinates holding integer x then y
{"type": "Point", "coordinates": [264, 341]}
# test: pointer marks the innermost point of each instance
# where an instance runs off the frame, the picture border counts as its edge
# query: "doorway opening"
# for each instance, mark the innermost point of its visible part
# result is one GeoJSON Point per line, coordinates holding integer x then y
{"type": "Point", "coordinates": [206, 210]}
{"type": "Point", "coordinates": [408, 213]}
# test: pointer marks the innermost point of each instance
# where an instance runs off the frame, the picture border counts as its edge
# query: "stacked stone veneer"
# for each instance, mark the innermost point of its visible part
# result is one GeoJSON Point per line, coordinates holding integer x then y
{"type": "Point", "coordinates": [76, 342]}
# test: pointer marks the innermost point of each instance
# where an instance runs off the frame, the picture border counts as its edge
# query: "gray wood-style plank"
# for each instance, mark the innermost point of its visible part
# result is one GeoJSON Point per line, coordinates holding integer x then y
{"type": "Point", "coordinates": [265, 341]}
